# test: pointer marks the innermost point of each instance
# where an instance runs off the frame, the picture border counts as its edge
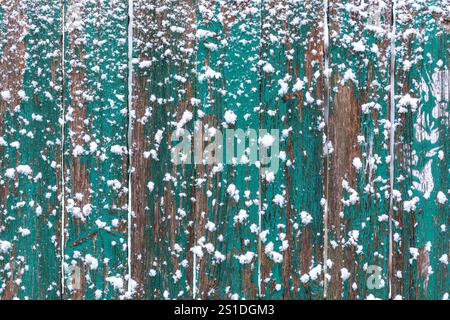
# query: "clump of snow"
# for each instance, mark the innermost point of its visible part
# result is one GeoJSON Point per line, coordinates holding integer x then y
{"type": "Point", "coordinates": [230, 117]}
{"type": "Point", "coordinates": [444, 259]}
{"type": "Point", "coordinates": [92, 147]}
{"type": "Point", "coordinates": [87, 210]}
{"type": "Point", "coordinates": [345, 274]}
{"type": "Point", "coordinates": [100, 224]}
{"type": "Point", "coordinates": [410, 205]}
{"type": "Point", "coordinates": [315, 272]}
{"type": "Point", "coordinates": [275, 256]}
{"type": "Point", "coordinates": [269, 176]}
{"type": "Point", "coordinates": [10, 173]}
{"type": "Point", "coordinates": [98, 294]}
{"type": "Point", "coordinates": [349, 75]}
{"type": "Point", "coordinates": [246, 258]}
{"type": "Point", "coordinates": [278, 200]}
{"type": "Point", "coordinates": [116, 149]}
{"type": "Point", "coordinates": [357, 163]}
{"type": "Point", "coordinates": [77, 151]}
{"type": "Point", "coordinates": [197, 250]}
{"type": "Point", "coordinates": [263, 235]}
{"type": "Point", "coordinates": [5, 246]}
{"type": "Point", "coordinates": [209, 74]}
{"type": "Point", "coordinates": [406, 101]}
{"type": "Point", "coordinates": [219, 257]}
{"type": "Point", "coordinates": [233, 191]}
{"type": "Point", "coordinates": [304, 278]}
{"type": "Point", "coordinates": [91, 262]}
{"type": "Point", "coordinates": [159, 136]}
{"type": "Point", "coordinates": [414, 253]}
{"type": "Point", "coordinates": [201, 33]}
{"type": "Point", "coordinates": [305, 217]}
{"type": "Point", "coordinates": [24, 232]}
{"type": "Point", "coordinates": [116, 282]}
{"type": "Point", "coordinates": [241, 216]}
{"type": "Point", "coordinates": [268, 68]}
{"type": "Point", "coordinates": [145, 64]}
{"type": "Point", "coordinates": [441, 198]}
{"type": "Point", "coordinates": [359, 46]}
{"type": "Point", "coordinates": [24, 169]}
{"type": "Point", "coordinates": [15, 144]}
{"type": "Point", "coordinates": [210, 226]}
{"type": "Point", "coordinates": [298, 86]}
{"type": "Point", "coordinates": [284, 87]}
{"type": "Point", "coordinates": [6, 95]}
{"type": "Point", "coordinates": [328, 148]}
{"type": "Point", "coordinates": [267, 140]}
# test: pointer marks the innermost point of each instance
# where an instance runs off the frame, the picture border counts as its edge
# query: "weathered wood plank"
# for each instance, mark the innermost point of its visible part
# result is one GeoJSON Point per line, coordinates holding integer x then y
{"type": "Point", "coordinates": [421, 243]}
{"type": "Point", "coordinates": [256, 172]}
{"type": "Point", "coordinates": [163, 189]}
{"type": "Point", "coordinates": [227, 90]}
{"type": "Point", "coordinates": [358, 133]}
{"type": "Point", "coordinates": [292, 101]}
{"type": "Point", "coordinates": [95, 150]}
{"type": "Point", "coordinates": [30, 148]}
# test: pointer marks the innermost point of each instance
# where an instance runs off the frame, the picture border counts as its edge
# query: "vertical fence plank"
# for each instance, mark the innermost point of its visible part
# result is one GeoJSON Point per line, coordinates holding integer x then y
{"type": "Point", "coordinates": [227, 91]}
{"type": "Point", "coordinates": [421, 244]}
{"type": "Point", "coordinates": [358, 129]}
{"type": "Point", "coordinates": [30, 104]}
{"type": "Point", "coordinates": [95, 152]}
{"type": "Point", "coordinates": [292, 101]}
{"type": "Point", "coordinates": [163, 192]}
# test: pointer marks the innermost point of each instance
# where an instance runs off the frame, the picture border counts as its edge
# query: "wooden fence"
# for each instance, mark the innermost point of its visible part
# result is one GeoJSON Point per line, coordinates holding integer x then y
{"type": "Point", "coordinates": [97, 201]}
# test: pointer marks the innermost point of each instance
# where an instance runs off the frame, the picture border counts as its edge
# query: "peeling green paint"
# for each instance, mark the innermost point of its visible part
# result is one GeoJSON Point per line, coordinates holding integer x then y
{"type": "Point", "coordinates": [74, 154]}
{"type": "Point", "coordinates": [29, 176]}
{"type": "Point", "coordinates": [422, 167]}
{"type": "Point", "coordinates": [95, 153]}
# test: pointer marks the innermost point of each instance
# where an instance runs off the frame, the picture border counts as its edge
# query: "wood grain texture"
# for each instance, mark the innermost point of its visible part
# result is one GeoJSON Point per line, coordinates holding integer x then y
{"type": "Point", "coordinates": [358, 133]}
{"type": "Point", "coordinates": [224, 149]}
{"type": "Point", "coordinates": [421, 243]}
{"type": "Point", "coordinates": [30, 147]}
{"type": "Point", "coordinates": [95, 149]}
{"type": "Point", "coordinates": [292, 101]}
{"type": "Point", "coordinates": [230, 271]}
{"type": "Point", "coordinates": [229, 268]}
{"type": "Point", "coordinates": [164, 198]}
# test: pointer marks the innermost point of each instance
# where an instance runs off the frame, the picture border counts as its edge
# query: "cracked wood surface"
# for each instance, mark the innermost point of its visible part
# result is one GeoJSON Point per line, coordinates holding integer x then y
{"type": "Point", "coordinates": [30, 108]}
{"type": "Point", "coordinates": [100, 190]}
{"type": "Point", "coordinates": [95, 149]}
{"type": "Point", "coordinates": [358, 171]}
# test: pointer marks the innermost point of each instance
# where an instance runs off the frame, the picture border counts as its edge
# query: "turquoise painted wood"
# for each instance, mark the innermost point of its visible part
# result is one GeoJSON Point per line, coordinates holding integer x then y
{"type": "Point", "coordinates": [421, 243]}
{"type": "Point", "coordinates": [292, 102]}
{"type": "Point", "coordinates": [30, 148]}
{"type": "Point", "coordinates": [164, 195]}
{"type": "Point", "coordinates": [358, 174]}
{"type": "Point", "coordinates": [242, 149]}
{"type": "Point", "coordinates": [228, 95]}
{"type": "Point", "coordinates": [95, 150]}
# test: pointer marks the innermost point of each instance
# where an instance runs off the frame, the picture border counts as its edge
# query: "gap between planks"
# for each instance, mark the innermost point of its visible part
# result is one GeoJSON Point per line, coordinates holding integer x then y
{"type": "Point", "coordinates": [391, 139]}
{"type": "Point", "coordinates": [63, 135]}
{"type": "Point", "coordinates": [130, 132]}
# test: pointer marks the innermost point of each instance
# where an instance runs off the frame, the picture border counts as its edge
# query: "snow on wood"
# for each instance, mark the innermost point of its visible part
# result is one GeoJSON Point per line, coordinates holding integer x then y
{"type": "Point", "coordinates": [249, 149]}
